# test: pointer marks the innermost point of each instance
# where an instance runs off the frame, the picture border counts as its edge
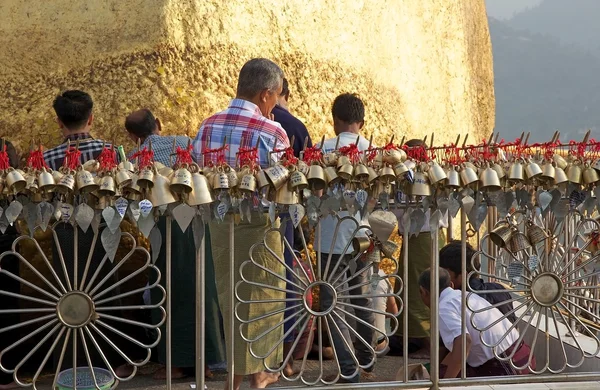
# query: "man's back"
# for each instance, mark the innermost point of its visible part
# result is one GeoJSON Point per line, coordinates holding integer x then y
{"type": "Point", "coordinates": [89, 147]}
{"type": "Point", "coordinates": [293, 127]}
{"type": "Point", "coordinates": [162, 146]}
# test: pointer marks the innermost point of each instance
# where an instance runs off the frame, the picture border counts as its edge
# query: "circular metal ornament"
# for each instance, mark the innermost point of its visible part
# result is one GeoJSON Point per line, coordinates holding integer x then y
{"type": "Point", "coordinates": [75, 309]}
{"type": "Point", "coordinates": [547, 289]}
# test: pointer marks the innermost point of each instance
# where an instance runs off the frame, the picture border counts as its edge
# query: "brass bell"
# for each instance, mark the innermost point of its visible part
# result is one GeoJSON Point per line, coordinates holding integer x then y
{"type": "Point", "coordinates": [346, 171]}
{"type": "Point", "coordinates": [360, 244]}
{"type": "Point", "coordinates": [532, 170]}
{"type": "Point", "coordinates": [343, 160]}
{"type": "Point", "coordinates": [453, 178]}
{"type": "Point", "coordinates": [161, 194]}
{"type": "Point", "coordinates": [574, 174]}
{"type": "Point", "coordinates": [597, 165]}
{"type": "Point", "coordinates": [548, 171]}
{"type": "Point", "coordinates": [15, 181]}
{"type": "Point", "coordinates": [590, 175]}
{"type": "Point", "coordinates": [410, 165]}
{"type": "Point", "coordinates": [132, 195]}
{"type": "Point", "coordinates": [261, 179]}
{"type": "Point", "coordinates": [57, 175]}
{"type": "Point", "coordinates": [248, 183]}
{"type": "Point", "coordinates": [361, 172]}
{"type": "Point", "coordinates": [501, 234]}
{"type": "Point", "coordinates": [331, 176]}
{"type": "Point", "coordinates": [372, 174]}
{"type": "Point", "coordinates": [436, 173]}
{"type": "Point", "coordinates": [233, 178]}
{"type": "Point", "coordinates": [182, 181]}
{"type": "Point", "coordinates": [46, 181]}
{"type": "Point", "coordinates": [499, 170]}
{"type": "Point", "coordinates": [516, 172]}
{"type": "Point", "coordinates": [468, 175]}
{"type": "Point", "coordinates": [285, 196]}
{"type": "Point", "coordinates": [66, 183]}
{"type": "Point", "coordinates": [489, 180]}
{"type": "Point", "coordinates": [298, 181]}
{"type": "Point", "coordinates": [133, 186]}
{"type": "Point", "coordinates": [387, 174]}
{"type": "Point", "coordinates": [166, 172]}
{"type": "Point", "coordinates": [381, 188]}
{"type": "Point", "coordinates": [388, 248]}
{"type": "Point", "coordinates": [32, 184]}
{"type": "Point", "coordinates": [535, 233]}
{"type": "Point", "coordinates": [420, 185]}
{"type": "Point", "coordinates": [518, 242]}
{"type": "Point", "coordinates": [330, 159]}
{"type": "Point", "coordinates": [560, 177]}
{"type": "Point", "coordinates": [394, 156]}
{"type": "Point", "coordinates": [91, 166]}
{"type": "Point", "coordinates": [145, 178]}
{"type": "Point", "coordinates": [302, 167]}
{"type": "Point", "coordinates": [158, 166]}
{"type": "Point", "coordinates": [201, 192]}
{"type": "Point", "coordinates": [107, 186]}
{"type": "Point", "coordinates": [277, 175]}
{"type": "Point", "coordinates": [377, 161]}
{"type": "Point", "coordinates": [85, 182]}
{"type": "Point", "coordinates": [128, 166]}
{"type": "Point", "coordinates": [400, 170]}
{"type": "Point", "coordinates": [559, 161]}
{"type": "Point", "coordinates": [316, 177]}
{"type": "Point", "coordinates": [220, 181]}
{"type": "Point", "coordinates": [123, 177]}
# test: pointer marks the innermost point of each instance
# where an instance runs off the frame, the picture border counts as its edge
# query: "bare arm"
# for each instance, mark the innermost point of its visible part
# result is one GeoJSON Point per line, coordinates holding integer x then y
{"type": "Point", "coordinates": [452, 361]}
{"type": "Point", "coordinates": [392, 305]}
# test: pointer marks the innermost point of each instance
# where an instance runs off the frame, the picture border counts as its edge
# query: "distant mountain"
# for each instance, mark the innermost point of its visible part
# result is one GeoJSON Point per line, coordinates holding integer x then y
{"type": "Point", "coordinates": [505, 9]}
{"type": "Point", "coordinates": [543, 85]}
{"type": "Point", "coordinates": [572, 21]}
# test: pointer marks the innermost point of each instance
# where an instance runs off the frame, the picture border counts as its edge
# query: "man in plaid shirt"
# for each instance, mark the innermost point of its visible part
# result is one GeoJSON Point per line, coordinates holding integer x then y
{"type": "Point", "coordinates": [74, 115]}
{"type": "Point", "coordinates": [247, 122]}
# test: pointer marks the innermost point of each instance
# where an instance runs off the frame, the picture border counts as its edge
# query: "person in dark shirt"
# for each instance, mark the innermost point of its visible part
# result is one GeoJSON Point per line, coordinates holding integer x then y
{"type": "Point", "coordinates": [292, 125]}
{"type": "Point", "coordinates": [450, 259]}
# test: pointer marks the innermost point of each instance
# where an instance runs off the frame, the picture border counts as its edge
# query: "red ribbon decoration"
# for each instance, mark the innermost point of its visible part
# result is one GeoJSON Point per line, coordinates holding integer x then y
{"type": "Point", "coordinates": [107, 159]}
{"type": "Point", "coordinates": [351, 151]}
{"type": "Point", "coordinates": [145, 158]}
{"type": "Point", "coordinates": [4, 160]}
{"type": "Point", "coordinates": [218, 152]}
{"type": "Point", "coordinates": [312, 155]}
{"type": "Point", "coordinates": [184, 156]}
{"type": "Point", "coordinates": [248, 157]}
{"type": "Point", "coordinates": [72, 156]}
{"type": "Point", "coordinates": [35, 160]}
{"type": "Point", "coordinates": [288, 157]}
{"type": "Point", "coordinates": [417, 153]}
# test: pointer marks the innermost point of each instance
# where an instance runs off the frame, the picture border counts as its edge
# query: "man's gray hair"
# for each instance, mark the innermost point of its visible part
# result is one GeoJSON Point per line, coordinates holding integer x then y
{"type": "Point", "coordinates": [257, 75]}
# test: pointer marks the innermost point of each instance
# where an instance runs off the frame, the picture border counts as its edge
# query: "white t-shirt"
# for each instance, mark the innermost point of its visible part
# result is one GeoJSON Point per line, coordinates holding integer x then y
{"type": "Point", "coordinates": [329, 223]}
{"type": "Point", "coordinates": [380, 303]}
{"type": "Point", "coordinates": [450, 326]}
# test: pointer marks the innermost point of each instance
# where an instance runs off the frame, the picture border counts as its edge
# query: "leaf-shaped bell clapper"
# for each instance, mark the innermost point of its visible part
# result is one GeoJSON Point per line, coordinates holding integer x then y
{"type": "Point", "coordinates": [66, 184]}
{"type": "Point", "coordinates": [501, 234]}
{"type": "Point", "coordinates": [161, 194]}
{"type": "Point", "coordinates": [548, 171]}
{"type": "Point", "coordinates": [85, 181]}
{"type": "Point", "coordinates": [533, 170]}
{"type": "Point", "coordinates": [535, 233]}
{"type": "Point", "coordinates": [331, 176]}
{"type": "Point", "coordinates": [277, 175]}
{"type": "Point", "coordinates": [575, 173]}
{"type": "Point", "coordinates": [15, 181]}
{"type": "Point", "coordinates": [560, 177]}
{"type": "Point", "coordinates": [108, 186]}
{"type": "Point", "coordinates": [297, 181]}
{"type": "Point", "coordinates": [468, 175]}
{"type": "Point", "coordinates": [361, 172]}
{"type": "Point", "coordinates": [261, 179]}
{"type": "Point", "coordinates": [489, 180]}
{"type": "Point", "coordinates": [420, 185]}
{"type": "Point", "coordinates": [436, 173]}
{"type": "Point", "coordinates": [387, 174]}
{"type": "Point", "coordinates": [201, 192]}
{"type": "Point", "coordinates": [145, 178]}
{"type": "Point", "coordinates": [181, 182]}
{"type": "Point", "coordinates": [46, 180]}
{"type": "Point", "coordinates": [590, 175]}
{"type": "Point", "coordinates": [452, 178]}
{"type": "Point", "coordinates": [316, 177]}
{"type": "Point", "coordinates": [515, 173]}
{"type": "Point", "coordinates": [220, 180]}
{"type": "Point", "coordinates": [346, 171]}
{"type": "Point", "coordinates": [285, 196]}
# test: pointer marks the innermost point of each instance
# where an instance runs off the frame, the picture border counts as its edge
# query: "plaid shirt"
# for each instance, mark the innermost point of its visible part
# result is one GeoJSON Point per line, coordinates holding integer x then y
{"type": "Point", "coordinates": [89, 147]}
{"type": "Point", "coordinates": [244, 125]}
{"type": "Point", "coordinates": [162, 146]}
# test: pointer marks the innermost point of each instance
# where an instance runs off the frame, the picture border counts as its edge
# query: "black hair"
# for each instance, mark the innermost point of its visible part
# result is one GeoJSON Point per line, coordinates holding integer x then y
{"type": "Point", "coordinates": [73, 108]}
{"type": "Point", "coordinates": [451, 257]}
{"type": "Point", "coordinates": [425, 279]}
{"type": "Point", "coordinates": [348, 108]}
{"type": "Point", "coordinates": [141, 124]}
{"type": "Point", "coordinates": [285, 90]}
{"type": "Point", "coordinates": [414, 143]}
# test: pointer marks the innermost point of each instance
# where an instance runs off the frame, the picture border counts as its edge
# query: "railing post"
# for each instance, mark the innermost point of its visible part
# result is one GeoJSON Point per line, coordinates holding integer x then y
{"type": "Point", "coordinates": [465, 281]}
{"type": "Point", "coordinates": [200, 309]}
{"type": "Point", "coordinates": [169, 242]}
{"type": "Point", "coordinates": [232, 329]}
{"type": "Point", "coordinates": [435, 298]}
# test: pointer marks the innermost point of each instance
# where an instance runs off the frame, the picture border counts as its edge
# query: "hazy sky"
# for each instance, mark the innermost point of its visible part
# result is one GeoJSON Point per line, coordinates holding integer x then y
{"type": "Point", "coordinates": [504, 9]}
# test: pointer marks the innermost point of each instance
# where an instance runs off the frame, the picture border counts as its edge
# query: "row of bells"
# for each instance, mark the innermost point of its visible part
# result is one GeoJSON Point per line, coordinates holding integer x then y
{"type": "Point", "coordinates": [507, 235]}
